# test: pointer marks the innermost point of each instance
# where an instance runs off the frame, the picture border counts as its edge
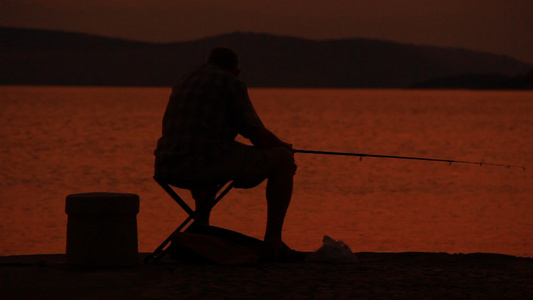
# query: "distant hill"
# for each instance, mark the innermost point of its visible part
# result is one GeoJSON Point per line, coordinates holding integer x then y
{"type": "Point", "coordinates": [41, 57]}
{"type": "Point", "coordinates": [476, 81]}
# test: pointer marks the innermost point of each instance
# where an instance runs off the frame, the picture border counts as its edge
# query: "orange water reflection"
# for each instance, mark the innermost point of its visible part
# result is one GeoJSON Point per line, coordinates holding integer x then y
{"type": "Point", "coordinates": [73, 140]}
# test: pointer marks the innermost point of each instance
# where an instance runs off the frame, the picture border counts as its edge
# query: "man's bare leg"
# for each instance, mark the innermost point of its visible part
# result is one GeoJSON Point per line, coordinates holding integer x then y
{"type": "Point", "coordinates": [278, 194]}
{"type": "Point", "coordinates": [203, 199]}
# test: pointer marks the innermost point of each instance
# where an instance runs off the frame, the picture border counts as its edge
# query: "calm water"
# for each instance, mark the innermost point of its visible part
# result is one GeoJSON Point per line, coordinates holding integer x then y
{"type": "Point", "coordinates": [62, 140]}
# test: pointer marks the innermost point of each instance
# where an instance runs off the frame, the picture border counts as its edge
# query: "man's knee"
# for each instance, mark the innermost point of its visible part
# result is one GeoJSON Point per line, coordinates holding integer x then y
{"type": "Point", "coordinates": [282, 160]}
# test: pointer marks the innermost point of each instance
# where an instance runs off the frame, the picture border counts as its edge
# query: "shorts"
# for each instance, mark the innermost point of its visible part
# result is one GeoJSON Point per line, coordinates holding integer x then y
{"type": "Point", "coordinates": [247, 166]}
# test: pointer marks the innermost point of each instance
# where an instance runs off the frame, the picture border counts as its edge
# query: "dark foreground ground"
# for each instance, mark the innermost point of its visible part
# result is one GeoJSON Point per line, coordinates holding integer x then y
{"type": "Point", "coordinates": [378, 276]}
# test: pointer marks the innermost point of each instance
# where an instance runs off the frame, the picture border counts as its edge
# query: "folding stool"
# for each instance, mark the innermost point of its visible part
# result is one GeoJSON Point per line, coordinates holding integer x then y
{"type": "Point", "coordinates": [163, 249]}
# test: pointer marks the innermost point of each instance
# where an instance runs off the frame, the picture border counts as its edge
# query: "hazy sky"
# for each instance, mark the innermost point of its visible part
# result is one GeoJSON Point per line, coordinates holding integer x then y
{"type": "Point", "coordinates": [497, 26]}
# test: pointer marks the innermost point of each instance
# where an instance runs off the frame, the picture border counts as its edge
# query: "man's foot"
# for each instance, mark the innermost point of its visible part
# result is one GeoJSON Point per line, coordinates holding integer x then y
{"type": "Point", "coordinates": [282, 253]}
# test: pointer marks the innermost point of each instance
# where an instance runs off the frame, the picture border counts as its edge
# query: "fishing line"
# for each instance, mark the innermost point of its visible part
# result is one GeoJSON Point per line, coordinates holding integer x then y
{"type": "Point", "coordinates": [449, 161]}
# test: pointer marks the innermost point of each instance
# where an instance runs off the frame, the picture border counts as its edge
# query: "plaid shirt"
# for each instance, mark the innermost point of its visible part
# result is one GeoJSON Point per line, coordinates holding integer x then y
{"type": "Point", "coordinates": [207, 109]}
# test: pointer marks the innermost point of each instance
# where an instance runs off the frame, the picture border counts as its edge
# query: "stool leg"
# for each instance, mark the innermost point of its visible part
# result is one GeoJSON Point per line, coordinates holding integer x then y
{"type": "Point", "coordinates": [176, 198]}
{"type": "Point", "coordinates": [161, 251]}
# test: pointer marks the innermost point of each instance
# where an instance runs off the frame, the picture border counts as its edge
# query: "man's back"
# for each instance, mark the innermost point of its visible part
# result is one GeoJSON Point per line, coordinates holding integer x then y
{"type": "Point", "coordinates": [202, 116]}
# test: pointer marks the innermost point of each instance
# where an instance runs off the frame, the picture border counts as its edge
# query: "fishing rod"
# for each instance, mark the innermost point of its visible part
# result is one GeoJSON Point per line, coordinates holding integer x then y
{"type": "Point", "coordinates": [361, 155]}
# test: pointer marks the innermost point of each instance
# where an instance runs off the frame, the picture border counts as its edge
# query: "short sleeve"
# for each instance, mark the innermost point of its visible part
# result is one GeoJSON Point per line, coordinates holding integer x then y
{"type": "Point", "coordinates": [245, 115]}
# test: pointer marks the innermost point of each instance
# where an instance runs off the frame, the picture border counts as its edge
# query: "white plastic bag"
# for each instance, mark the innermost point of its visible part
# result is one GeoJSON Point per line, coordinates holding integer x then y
{"type": "Point", "coordinates": [334, 252]}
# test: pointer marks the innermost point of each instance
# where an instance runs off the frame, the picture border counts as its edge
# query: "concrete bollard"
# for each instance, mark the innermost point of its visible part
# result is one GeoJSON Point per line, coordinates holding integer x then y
{"type": "Point", "coordinates": [102, 229]}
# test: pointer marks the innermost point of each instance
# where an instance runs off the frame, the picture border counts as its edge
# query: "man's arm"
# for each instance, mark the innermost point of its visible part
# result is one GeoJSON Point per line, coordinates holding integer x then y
{"type": "Point", "coordinates": [264, 138]}
{"type": "Point", "coordinates": [248, 122]}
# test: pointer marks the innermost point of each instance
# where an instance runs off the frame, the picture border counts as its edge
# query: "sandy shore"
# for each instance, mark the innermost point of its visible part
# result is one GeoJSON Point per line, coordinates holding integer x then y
{"type": "Point", "coordinates": [378, 276]}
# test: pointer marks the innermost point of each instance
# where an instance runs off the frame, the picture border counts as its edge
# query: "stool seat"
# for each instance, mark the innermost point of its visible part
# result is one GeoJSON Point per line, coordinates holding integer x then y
{"type": "Point", "coordinates": [186, 184]}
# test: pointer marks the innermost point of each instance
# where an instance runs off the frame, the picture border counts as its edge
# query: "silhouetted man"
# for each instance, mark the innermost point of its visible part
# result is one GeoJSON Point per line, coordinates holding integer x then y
{"type": "Point", "coordinates": [207, 109]}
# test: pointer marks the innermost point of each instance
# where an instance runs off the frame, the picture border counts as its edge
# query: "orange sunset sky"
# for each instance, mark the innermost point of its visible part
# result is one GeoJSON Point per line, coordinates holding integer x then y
{"type": "Point", "coordinates": [497, 26]}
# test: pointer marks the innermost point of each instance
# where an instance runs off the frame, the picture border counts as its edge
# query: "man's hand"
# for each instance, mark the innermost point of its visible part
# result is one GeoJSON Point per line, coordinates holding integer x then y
{"type": "Point", "coordinates": [286, 145]}
{"type": "Point", "coordinates": [262, 137]}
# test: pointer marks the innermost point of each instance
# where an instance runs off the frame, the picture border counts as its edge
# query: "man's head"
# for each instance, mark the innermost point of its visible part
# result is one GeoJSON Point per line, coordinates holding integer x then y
{"type": "Point", "coordinates": [224, 58]}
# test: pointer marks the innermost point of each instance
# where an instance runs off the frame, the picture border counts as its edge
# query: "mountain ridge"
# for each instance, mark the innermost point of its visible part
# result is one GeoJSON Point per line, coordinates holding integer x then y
{"type": "Point", "coordinates": [48, 57]}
